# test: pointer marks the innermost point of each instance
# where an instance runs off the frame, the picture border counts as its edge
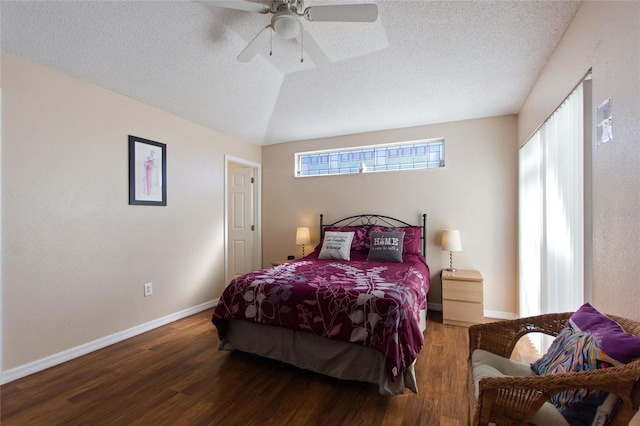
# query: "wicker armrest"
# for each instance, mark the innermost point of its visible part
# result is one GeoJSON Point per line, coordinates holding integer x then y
{"type": "Point", "coordinates": [522, 397]}
{"type": "Point", "coordinates": [501, 337]}
{"type": "Point", "coordinates": [604, 379]}
{"type": "Point", "coordinates": [509, 400]}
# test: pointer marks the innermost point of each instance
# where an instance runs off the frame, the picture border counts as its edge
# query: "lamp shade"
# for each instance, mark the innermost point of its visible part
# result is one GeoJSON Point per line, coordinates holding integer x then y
{"type": "Point", "coordinates": [451, 240]}
{"type": "Point", "coordinates": [302, 235]}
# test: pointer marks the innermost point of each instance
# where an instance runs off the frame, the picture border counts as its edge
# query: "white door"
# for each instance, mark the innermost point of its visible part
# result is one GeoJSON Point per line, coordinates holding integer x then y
{"type": "Point", "coordinates": [241, 224]}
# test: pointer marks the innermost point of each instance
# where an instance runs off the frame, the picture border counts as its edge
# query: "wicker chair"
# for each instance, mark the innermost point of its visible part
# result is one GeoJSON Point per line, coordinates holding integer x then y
{"type": "Point", "coordinates": [515, 400]}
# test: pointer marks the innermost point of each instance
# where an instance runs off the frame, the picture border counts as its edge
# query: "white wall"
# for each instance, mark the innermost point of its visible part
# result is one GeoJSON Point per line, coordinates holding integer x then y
{"type": "Point", "coordinates": [475, 192]}
{"type": "Point", "coordinates": [604, 36]}
{"type": "Point", "coordinates": [75, 253]}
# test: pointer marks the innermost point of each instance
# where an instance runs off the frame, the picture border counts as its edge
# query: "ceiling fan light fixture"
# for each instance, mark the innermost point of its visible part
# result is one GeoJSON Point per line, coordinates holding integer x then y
{"type": "Point", "coordinates": [286, 25]}
{"type": "Point", "coordinates": [287, 22]}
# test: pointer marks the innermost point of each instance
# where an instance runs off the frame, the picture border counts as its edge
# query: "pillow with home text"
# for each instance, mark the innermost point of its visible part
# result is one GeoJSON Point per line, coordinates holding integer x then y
{"type": "Point", "coordinates": [386, 246]}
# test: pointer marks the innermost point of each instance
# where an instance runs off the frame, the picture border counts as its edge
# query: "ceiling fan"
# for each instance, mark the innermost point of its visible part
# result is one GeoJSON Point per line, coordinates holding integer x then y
{"type": "Point", "coordinates": [286, 22]}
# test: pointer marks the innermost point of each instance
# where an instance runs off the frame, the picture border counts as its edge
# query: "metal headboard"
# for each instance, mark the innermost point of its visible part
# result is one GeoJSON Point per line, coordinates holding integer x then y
{"type": "Point", "coordinates": [376, 219]}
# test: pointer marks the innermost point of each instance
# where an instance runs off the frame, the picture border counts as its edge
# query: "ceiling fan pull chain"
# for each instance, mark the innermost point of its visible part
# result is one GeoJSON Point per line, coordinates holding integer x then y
{"type": "Point", "coordinates": [301, 46]}
{"type": "Point", "coordinates": [271, 43]}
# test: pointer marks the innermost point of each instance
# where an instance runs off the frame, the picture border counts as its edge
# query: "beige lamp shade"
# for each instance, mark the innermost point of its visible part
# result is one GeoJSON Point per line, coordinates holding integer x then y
{"type": "Point", "coordinates": [451, 240]}
{"type": "Point", "coordinates": [302, 235]}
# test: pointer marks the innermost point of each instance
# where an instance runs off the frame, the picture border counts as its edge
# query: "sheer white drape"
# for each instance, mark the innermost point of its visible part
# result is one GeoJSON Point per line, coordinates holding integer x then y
{"type": "Point", "coordinates": [551, 212]}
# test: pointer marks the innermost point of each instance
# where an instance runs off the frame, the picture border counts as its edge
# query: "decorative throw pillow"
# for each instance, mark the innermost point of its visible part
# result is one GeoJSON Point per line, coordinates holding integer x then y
{"type": "Point", "coordinates": [411, 239]}
{"type": "Point", "coordinates": [412, 236]}
{"type": "Point", "coordinates": [359, 242]}
{"type": "Point", "coordinates": [386, 246]}
{"type": "Point", "coordinates": [336, 245]}
{"type": "Point", "coordinates": [589, 340]}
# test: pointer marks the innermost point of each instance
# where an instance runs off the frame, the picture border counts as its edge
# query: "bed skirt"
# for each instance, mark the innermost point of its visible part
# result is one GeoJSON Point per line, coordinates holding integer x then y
{"type": "Point", "coordinates": [342, 360]}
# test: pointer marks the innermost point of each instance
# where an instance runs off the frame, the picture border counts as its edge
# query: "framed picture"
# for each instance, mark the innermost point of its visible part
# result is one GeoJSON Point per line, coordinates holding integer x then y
{"type": "Point", "coordinates": [147, 172]}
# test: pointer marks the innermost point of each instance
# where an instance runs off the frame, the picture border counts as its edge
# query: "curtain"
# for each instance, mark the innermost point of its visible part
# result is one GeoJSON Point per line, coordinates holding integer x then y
{"type": "Point", "coordinates": [551, 212]}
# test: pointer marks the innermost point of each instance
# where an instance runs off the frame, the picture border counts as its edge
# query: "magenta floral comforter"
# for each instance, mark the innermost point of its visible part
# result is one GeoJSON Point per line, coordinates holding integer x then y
{"type": "Point", "coordinates": [374, 304]}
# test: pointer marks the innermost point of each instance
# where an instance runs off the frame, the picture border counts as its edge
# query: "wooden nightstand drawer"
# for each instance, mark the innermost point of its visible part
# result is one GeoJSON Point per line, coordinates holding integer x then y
{"type": "Point", "coordinates": [462, 313]}
{"type": "Point", "coordinates": [464, 291]}
{"type": "Point", "coordinates": [462, 297]}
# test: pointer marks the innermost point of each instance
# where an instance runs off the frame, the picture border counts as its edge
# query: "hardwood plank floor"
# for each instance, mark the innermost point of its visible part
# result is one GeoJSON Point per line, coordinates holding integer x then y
{"type": "Point", "coordinates": [175, 375]}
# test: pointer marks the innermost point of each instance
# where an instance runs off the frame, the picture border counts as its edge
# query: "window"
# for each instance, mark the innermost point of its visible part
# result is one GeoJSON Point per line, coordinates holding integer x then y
{"type": "Point", "coordinates": [553, 265]}
{"type": "Point", "coordinates": [425, 154]}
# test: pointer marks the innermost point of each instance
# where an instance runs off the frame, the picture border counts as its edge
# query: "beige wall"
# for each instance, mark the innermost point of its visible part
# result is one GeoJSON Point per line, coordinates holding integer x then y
{"type": "Point", "coordinates": [75, 253]}
{"type": "Point", "coordinates": [606, 37]}
{"type": "Point", "coordinates": [475, 192]}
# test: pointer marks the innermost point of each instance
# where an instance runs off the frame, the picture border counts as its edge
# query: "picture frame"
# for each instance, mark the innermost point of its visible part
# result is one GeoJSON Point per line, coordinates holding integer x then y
{"type": "Point", "coordinates": [147, 172]}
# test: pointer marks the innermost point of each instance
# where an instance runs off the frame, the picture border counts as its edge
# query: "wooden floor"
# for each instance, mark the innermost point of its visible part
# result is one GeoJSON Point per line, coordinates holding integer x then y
{"type": "Point", "coordinates": [175, 375]}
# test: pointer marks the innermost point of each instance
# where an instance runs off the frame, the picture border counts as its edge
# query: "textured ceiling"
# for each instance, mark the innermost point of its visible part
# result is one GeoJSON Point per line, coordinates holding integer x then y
{"type": "Point", "coordinates": [421, 62]}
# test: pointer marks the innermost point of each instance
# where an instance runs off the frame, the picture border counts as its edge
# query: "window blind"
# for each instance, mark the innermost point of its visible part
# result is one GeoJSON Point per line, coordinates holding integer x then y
{"type": "Point", "coordinates": [551, 213]}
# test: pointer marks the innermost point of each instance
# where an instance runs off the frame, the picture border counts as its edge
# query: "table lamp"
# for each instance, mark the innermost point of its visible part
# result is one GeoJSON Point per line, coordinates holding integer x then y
{"type": "Point", "coordinates": [451, 242]}
{"type": "Point", "coordinates": [302, 237]}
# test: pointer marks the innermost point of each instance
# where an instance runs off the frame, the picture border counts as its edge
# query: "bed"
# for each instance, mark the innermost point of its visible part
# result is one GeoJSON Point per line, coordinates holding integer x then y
{"type": "Point", "coordinates": [354, 309]}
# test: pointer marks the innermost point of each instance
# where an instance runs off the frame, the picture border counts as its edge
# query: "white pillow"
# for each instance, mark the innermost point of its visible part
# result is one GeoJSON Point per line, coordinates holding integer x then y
{"type": "Point", "coordinates": [336, 245]}
{"type": "Point", "coordinates": [605, 409]}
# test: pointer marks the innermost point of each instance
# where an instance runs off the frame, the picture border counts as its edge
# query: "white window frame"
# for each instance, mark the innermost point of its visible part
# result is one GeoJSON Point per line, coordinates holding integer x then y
{"type": "Point", "coordinates": [373, 163]}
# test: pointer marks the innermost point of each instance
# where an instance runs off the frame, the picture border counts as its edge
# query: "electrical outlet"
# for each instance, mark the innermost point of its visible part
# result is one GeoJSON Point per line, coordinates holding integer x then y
{"type": "Point", "coordinates": [148, 289]}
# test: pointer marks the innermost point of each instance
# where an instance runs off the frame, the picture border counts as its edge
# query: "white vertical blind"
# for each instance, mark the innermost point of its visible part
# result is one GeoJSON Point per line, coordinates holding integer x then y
{"type": "Point", "coordinates": [551, 213]}
{"type": "Point", "coordinates": [564, 206]}
{"type": "Point", "coordinates": [530, 226]}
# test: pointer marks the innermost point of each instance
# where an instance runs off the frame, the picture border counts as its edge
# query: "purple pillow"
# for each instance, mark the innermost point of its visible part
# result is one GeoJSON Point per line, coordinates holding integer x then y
{"type": "Point", "coordinates": [588, 341]}
{"type": "Point", "coordinates": [412, 236]}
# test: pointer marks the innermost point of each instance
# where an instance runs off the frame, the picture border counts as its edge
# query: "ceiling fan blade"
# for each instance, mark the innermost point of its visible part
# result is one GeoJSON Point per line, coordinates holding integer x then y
{"type": "Point", "coordinates": [313, 50]}
{"type": "Point", "coordinates": [342, 13]}
{"type": "Point", "coordinates": [247, 6]}
{"type": "Point", "coordinates": [255, 45]}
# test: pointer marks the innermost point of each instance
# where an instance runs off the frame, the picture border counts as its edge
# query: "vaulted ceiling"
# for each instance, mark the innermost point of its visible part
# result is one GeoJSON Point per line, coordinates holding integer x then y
{"type": "Point", "coordinates": [420, 62]}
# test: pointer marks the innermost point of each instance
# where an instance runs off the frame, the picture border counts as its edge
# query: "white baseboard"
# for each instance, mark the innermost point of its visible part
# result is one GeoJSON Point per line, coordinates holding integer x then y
{"type": "Point", "coordinates": [69, 354]}
{"type": "Point", "coordinates": [500, 315]}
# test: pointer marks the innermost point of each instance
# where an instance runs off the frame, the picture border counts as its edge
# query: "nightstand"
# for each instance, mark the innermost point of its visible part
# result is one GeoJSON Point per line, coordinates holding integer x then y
{"type": "Point", "coordinates": [462, 296]}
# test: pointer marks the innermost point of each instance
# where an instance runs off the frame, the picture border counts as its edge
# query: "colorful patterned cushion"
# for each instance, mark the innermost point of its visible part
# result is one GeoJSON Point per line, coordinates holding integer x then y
{"type": "Point", "coordinates": [589, 340]}
{"type": "Point", "coordinates": [386, 246]}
